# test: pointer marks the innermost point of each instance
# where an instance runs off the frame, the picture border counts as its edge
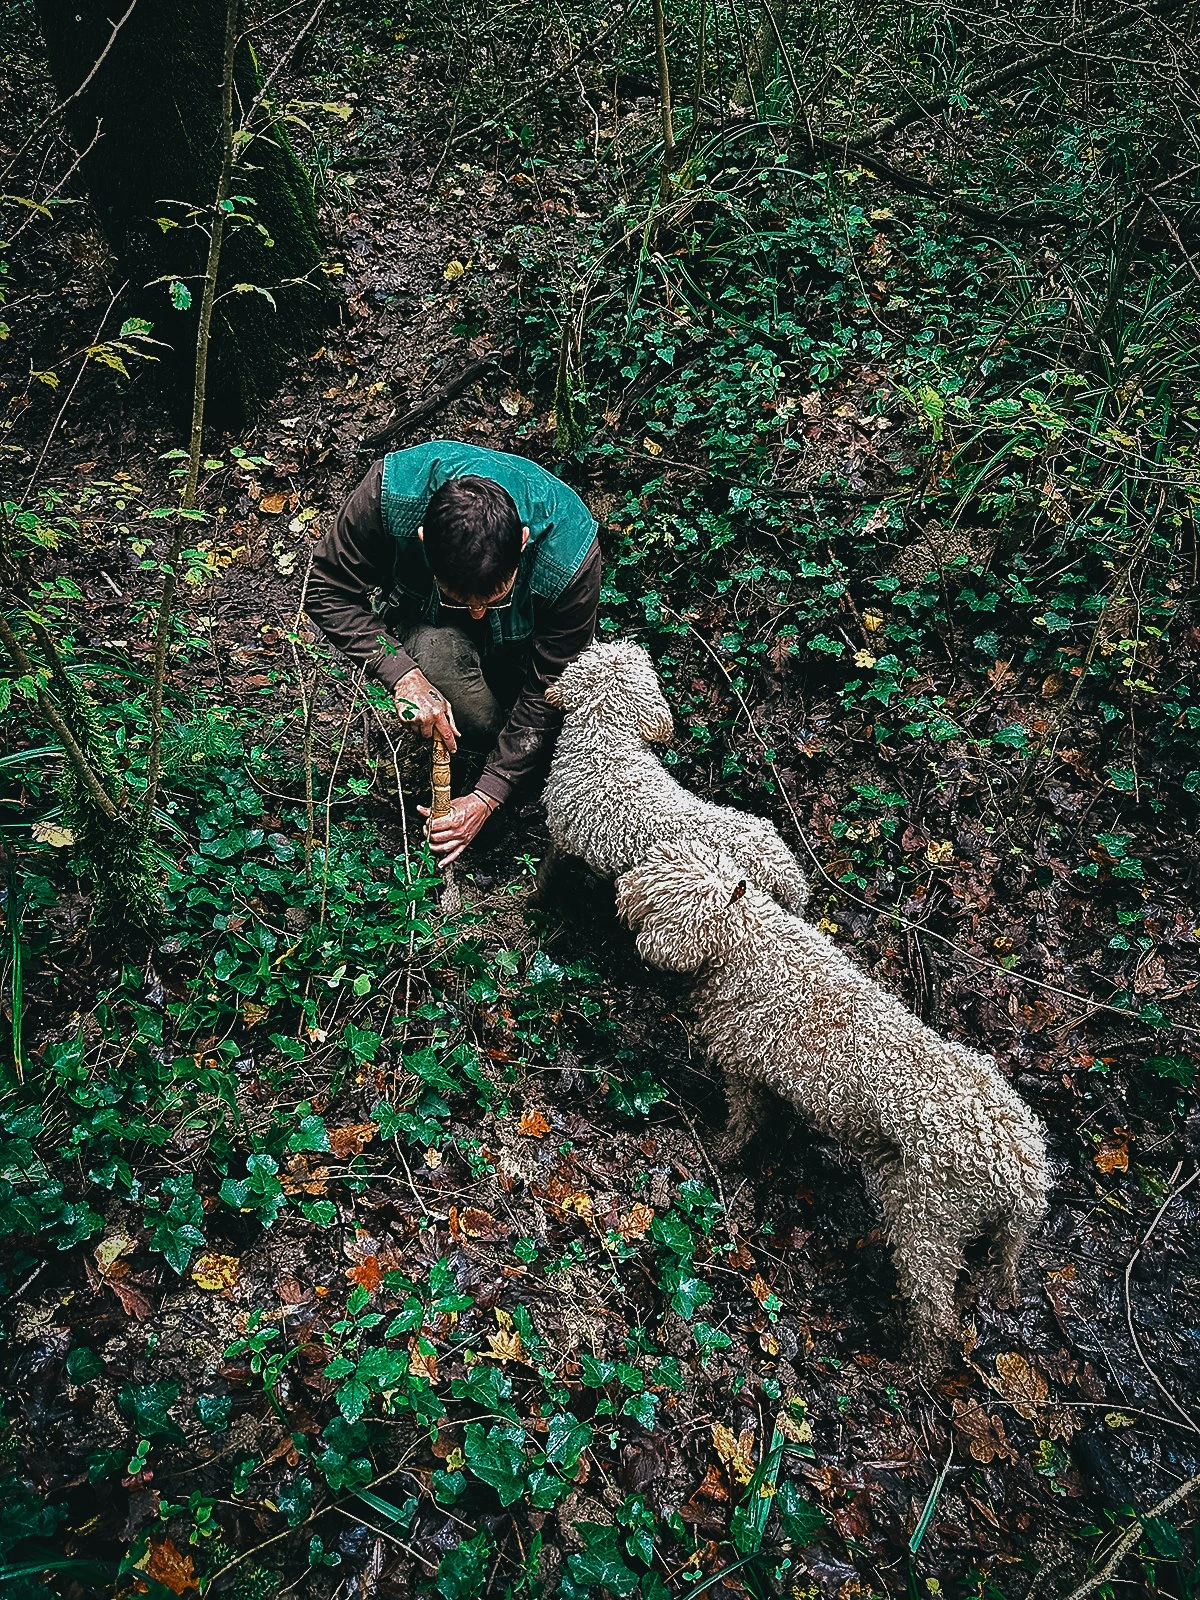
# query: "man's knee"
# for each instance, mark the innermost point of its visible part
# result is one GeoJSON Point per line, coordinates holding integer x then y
{"type": "Point", "coordinates": [451, 663]}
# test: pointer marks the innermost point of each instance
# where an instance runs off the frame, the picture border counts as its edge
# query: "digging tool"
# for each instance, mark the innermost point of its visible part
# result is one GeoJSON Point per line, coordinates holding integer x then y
{"type": "Point", "coordinates": [451, 899]}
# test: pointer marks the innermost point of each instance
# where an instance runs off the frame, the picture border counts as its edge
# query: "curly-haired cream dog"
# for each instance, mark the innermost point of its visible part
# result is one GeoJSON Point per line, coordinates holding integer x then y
{"type": "Point", "coordinates": [609, 799]}
{"type": "Point", "coordinates": [956, 1152]}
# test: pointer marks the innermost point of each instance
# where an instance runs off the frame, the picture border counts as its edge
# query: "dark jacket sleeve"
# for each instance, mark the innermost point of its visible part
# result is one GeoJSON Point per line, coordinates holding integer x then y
{"type": "Point", "coordinates": [562, 633]}
{"type": "Point", "coordinates": [353, 559]}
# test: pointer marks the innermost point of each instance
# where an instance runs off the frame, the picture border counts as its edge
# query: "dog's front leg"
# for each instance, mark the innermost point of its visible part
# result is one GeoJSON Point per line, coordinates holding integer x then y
{"type": "Point", "coordinates": [547, 872]}
{"type": "Point", "coordinates": [747, 1112]}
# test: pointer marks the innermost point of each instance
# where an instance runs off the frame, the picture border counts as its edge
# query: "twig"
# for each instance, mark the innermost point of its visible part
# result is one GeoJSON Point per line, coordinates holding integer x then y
{"type": "Point", "coordinates": [664, 101]}
{"type": "Point", "coordinates": [1131, 1537]}
{"type": "Point", "coordinates": [1155, 1379]}
{"type": "Point", "coordinates": [426, 408]}
{"type": "Point", "coordinates": [439, 806]}
{"type": "Point", "coordinates": [87, 355]}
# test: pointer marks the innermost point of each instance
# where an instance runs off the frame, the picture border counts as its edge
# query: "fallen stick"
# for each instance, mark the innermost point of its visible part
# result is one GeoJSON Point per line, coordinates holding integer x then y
{"type": "Point", "coordinates": [451, 899]}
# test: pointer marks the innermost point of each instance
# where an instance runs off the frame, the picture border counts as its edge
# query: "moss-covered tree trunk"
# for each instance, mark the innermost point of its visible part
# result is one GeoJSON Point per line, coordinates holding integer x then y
{"type": "Point", "coordinates": [151, 115]}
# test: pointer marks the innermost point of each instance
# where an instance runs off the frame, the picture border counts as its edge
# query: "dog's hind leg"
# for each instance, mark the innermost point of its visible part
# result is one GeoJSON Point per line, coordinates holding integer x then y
{"type": "Point", "coordinates": [1009, 1238]}
{"type": "Point", "coordinates": [929, 1258]}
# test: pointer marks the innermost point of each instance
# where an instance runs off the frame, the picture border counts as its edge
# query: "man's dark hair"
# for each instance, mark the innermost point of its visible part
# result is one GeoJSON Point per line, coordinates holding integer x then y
{"type": "Point", "coordinates": [472, 537]}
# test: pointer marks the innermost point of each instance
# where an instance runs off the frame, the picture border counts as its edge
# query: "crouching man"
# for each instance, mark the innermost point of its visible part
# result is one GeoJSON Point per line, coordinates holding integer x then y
{"type": "Point", "coordinates": [465, 580]}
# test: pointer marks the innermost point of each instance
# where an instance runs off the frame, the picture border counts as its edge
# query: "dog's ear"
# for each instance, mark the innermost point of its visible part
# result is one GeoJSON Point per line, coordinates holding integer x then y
{"type": "Point", "coordinates": [738, 892]}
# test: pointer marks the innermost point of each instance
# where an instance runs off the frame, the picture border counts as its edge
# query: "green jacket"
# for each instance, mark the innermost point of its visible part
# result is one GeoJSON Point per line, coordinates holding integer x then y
{"type": "Point", "coordinates": [561, 530]}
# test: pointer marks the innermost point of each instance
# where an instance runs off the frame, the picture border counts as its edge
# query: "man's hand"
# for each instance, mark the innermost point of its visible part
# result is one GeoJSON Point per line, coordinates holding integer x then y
{"type": "Point", "coordinates": [417, 701]}
{"type": "Point", "coordinates": [451, 833]}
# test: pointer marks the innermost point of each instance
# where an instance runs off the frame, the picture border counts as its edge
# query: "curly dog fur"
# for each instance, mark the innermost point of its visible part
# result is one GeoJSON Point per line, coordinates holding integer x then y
{"type": "Point", "coordinates": [956, 1153]}
{"type": "Point", "coordinates": [609, 799]}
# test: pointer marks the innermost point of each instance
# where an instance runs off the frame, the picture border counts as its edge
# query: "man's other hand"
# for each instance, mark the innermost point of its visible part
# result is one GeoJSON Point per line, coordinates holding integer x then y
{"type": "Point", "coordinates": [451, 833]}
{"type": "Point", "coordinates": [417, 701]}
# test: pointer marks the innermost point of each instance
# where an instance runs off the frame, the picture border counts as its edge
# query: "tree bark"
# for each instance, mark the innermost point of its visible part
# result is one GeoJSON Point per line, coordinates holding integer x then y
{"type": "Point", "coordinates": [156, 99]}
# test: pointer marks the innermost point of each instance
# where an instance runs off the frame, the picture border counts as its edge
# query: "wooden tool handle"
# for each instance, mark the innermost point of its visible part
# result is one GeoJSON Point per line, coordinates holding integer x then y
{"type": "Point", "coordinates": [441, 777]}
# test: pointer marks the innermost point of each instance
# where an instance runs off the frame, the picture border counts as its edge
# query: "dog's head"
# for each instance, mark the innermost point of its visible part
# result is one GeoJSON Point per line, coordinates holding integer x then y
{"type": "Point", "coordinates": [618, 682]}
{"type": "Point", "coordinates": [685, 902]}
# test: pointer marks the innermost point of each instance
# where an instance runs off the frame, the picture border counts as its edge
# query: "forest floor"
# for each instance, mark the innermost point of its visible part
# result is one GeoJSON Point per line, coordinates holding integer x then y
{"type": "Point", "coordinates": [707, 1329]}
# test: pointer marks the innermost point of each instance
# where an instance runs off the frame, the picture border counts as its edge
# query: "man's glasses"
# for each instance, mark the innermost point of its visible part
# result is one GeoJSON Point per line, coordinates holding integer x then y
{"type": "Point", "coordinates": [504, 604]}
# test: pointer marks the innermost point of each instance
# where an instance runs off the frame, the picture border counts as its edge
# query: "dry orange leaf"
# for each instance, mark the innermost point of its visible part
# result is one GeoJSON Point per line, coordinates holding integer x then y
{"type": "Point", "coordinates": [475, 1223]}
{"type": "Point", "coordinates": [713, 1488]}
{"type": "Point", "coordinates": [760, 1288]}
{"type": "Point", "coordinates": [367, 1274]}
{"type": "Point", "coordinates": [579, 1203]}
{"type": "Point", "coordinates": [273, 503]}
{"type": "Point", "coordinates": [168, 1565]}
{"type": "Point", "coordinates": [533, 1125]}
{"type": "Point", "coordinates": [635, 1224]}
{"type": "Point", "coordinates": [1113, 1154]}
{"type": "Point", "coordinates": [214, 1272]}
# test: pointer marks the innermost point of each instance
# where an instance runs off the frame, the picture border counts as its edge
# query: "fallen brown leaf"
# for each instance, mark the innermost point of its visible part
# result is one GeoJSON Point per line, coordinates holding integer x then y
{"type": "Point", "coordinates": [1022, 1385]}
{"type": "Point", "coordinates": [533, 1125]}
{"type": "Point", "coordinates": [351, 1140]}
{"type": "Point", "coordinates": [110, 1249]}
{"type": "Point", "coordinates": [984, 1432]}
{"type": "Point", "coordinates": [136, 1304]}
{"type": "Point", "coordinates": [422, 1360]}
{"type": "Point", "coordinates": [168, 1565]}
{"type": "Point", "coordinates": [737, 1452]}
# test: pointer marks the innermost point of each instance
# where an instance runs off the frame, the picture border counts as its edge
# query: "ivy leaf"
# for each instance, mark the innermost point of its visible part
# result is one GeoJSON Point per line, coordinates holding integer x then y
{"type": "Point", "coordinates": [642, 1408]}
{"type": "Point", "coordinates": [601, 1565]}
{"type": "Point", "coordinates": [566, 1440]}
{"type": "Point", "coordinates": [462, 1572]}
{"type": "Point", "coordinates": [689, 1296]}
{"type": "Point", "coordinates": [352, 1398]}
{"type": "Point", "coordinates": [83, 1365]}
{"type": "Point", "coordinates": [310, 1135]}
{"type": "Point", "coordinates": [213, 1411]}
{"type": "Point", "coordinates": [798, 1517]}
{"type": "Point", "coordinates": [497, 1457]}
{"type": "Point", "coordinates": [147, 1406]}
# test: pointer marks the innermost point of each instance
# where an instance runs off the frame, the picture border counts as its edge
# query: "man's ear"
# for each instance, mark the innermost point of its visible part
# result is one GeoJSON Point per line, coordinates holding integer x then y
{"type": "Point", "coordinates": [421, 533]}
{"type": "Point", "coordinates": [524, 537]}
